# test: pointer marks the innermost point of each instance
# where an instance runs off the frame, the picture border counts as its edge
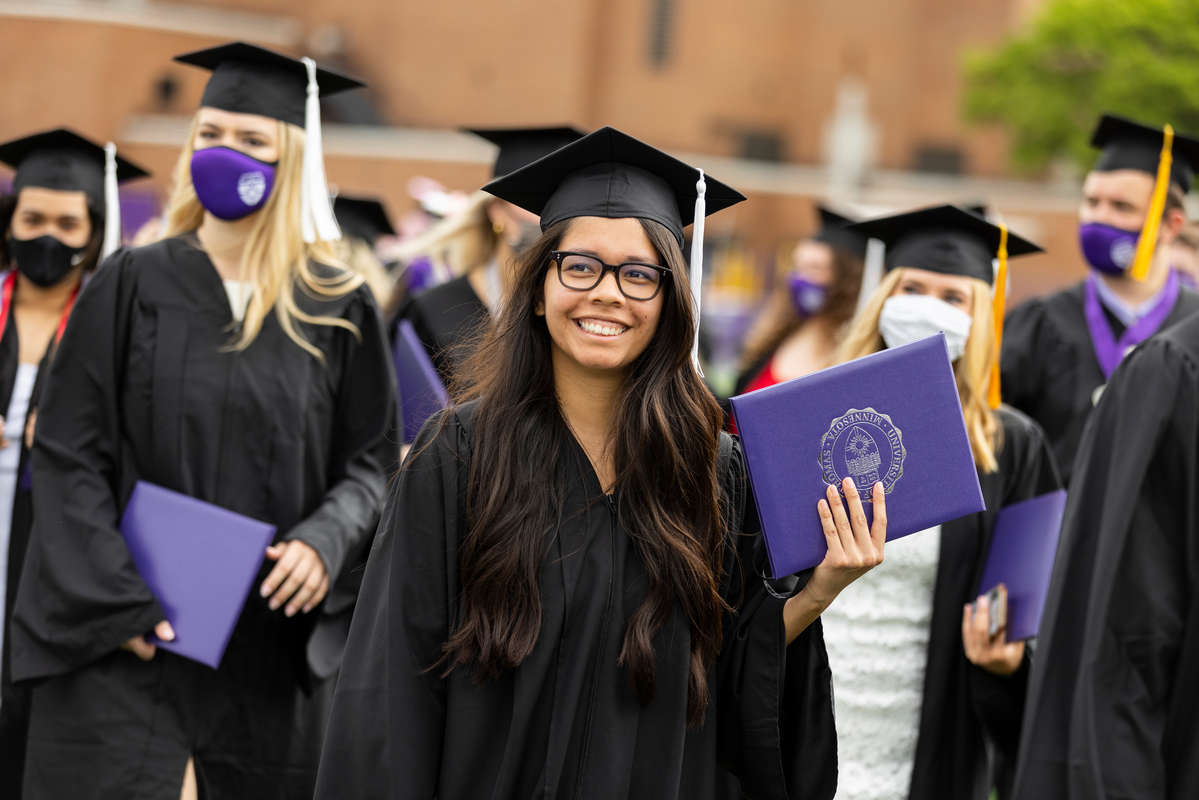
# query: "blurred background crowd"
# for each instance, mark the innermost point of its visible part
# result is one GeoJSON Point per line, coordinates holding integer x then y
{"type": "Point", "coordinates": [868, 106]}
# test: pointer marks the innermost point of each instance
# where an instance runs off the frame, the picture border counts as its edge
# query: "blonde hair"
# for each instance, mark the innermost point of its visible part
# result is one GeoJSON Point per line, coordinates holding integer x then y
{"type": "Point", "coordinates": [461, 242]}
{"type": "Point", "coordinates": [275, 258]}
{"type": "Point", "coordinates": [359, 256]}
{"type": "Point", "coordinates": [973, 369]}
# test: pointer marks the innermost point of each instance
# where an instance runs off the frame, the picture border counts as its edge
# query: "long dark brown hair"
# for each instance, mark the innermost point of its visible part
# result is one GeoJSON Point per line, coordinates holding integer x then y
{"type": "Point", "coordinates": [664, 447]}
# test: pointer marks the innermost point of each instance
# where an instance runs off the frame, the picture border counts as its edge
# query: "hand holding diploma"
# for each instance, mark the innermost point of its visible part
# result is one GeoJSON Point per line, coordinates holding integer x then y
{"type": "Point", "coordinates": [854, 548]}
{"type": "Point", "coordinates": [994, 653]}
{"type": "Point", "coordinates": [145, 650]}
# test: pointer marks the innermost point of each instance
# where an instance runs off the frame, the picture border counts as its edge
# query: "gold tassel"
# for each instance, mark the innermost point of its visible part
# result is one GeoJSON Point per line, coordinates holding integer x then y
{"type": "Point", "coordinates": [1157, 206]}
{"type": "Point", "coordinates": [994, 395]}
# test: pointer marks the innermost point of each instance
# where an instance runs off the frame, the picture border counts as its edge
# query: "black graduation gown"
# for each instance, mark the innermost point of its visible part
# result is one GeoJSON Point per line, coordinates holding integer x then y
{"type": "Point", "coordinates": [1049, 368]}
{"type": "Point", "coordinates": [965, 708]}
{"type": "Point", "coordinates": [565, 723]}
{"type": "Point", "coordinates": [1114, 702]}
{"type": "Point", "coordinates": [14, 698]}
{"type": "Point", "coordinates": [145, 388]}
{"type": "Point", "coordinates": [448, 319]}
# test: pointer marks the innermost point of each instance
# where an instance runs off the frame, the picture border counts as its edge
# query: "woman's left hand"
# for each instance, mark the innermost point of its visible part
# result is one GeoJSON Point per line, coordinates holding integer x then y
{"type": "Point", "coordinates": [299, 578]}
{"type": "Point", "coordinates": [995, 653]}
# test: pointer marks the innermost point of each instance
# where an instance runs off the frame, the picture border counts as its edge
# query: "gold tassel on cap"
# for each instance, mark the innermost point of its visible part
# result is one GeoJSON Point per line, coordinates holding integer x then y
{"type": "Point", "coordinates": [1157, 206]}
{"type": "Point", "coordinates": [994, 395]}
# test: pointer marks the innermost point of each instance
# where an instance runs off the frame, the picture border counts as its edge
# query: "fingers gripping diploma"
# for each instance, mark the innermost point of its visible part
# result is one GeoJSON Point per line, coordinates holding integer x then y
{"type": "Point", "coordinates": [994, 653]}
{"type": "Point", "coordinates": [854, 548]}
{"type": "Point", "coordinates": [298, 580]}
{"type": "Point", "coordinates": [144, 649]}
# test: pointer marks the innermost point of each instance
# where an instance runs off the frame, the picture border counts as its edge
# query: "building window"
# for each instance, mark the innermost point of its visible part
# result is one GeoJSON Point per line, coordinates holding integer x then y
{"type": "Point", "coordinates": [660, 32]}
{"type": "Point", "coordinates": [945, 159]}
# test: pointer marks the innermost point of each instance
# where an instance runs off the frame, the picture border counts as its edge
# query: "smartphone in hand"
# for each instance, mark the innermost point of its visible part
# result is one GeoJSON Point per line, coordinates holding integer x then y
{"type": "Point", "coordinates": [997, 603]}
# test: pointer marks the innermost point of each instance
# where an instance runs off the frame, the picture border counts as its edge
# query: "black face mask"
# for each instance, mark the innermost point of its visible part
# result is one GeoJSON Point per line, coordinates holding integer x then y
{"type": "Point", "coordinates": [44, 260]}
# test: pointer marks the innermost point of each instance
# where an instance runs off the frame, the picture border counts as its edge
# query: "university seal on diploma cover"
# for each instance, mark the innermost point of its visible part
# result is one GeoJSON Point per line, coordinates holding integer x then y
{"type": "Point", "coordinates": [788, 428]}
{"type": "Point", "coordinates": [865, 445]}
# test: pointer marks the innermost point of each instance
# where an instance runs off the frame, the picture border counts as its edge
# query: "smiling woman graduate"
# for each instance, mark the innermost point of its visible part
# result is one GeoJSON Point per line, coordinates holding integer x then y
{"type": "Point", "coordinates": [234, 362]}
{"type": "Point", "coordinates": [564, 596]}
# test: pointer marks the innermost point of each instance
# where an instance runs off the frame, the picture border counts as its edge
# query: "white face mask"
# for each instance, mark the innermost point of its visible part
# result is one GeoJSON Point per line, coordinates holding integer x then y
{"type": "Point", "coordinates": [907, 318]}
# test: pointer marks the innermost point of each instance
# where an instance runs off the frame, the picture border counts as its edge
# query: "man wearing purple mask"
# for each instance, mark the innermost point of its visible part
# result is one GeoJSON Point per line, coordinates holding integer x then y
{"type": "Point", "coordinates": [1060, 350]}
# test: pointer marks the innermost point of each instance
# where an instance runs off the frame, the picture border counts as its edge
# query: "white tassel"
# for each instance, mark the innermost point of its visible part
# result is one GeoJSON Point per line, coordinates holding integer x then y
{"type": "Point", "coordinates": [112, 204]}
{"type": "Point", "coordinates": [318, 222]}
{"type": "Point", "coordinates": [697, 262]}
{"type": "Point", "coordinates": [872, 271]}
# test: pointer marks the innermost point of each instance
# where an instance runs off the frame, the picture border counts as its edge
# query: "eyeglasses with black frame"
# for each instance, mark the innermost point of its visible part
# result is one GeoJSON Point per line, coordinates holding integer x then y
{"type": "Point", "coordinates": [635, 279]}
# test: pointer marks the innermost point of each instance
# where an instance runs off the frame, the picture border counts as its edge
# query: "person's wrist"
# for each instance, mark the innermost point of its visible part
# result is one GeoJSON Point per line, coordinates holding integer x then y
{"type": "Point", "coordinates": [817, 595]}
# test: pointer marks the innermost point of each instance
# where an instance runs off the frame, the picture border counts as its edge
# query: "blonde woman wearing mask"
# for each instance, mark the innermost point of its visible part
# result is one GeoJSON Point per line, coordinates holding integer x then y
{"type": "Point", "coordinates": [234, 361]}
{"type": "Point", "coordinates": [915, 674]}
{"type": "Point", "coordinates": [478, 245]}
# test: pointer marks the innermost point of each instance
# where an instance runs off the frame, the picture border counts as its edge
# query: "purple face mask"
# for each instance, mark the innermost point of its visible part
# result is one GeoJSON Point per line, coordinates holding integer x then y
{"type": "Point", "coordinates": [809, 298]}
{"type": "Point", "coordinates": [231, 184]}
{"type": "Point", "coordinates": [1108, 250]}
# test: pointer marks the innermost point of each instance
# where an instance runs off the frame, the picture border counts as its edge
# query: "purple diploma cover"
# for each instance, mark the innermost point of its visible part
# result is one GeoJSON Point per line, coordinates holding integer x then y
{"type": "Point", "coordinates": [199, 560]}
{"type": "Point", "coordinates": [893, 416]}
{"type": "Point", "coordinates": [422, 393]}
{"type": "Point", "coordinates": [1023, 546]}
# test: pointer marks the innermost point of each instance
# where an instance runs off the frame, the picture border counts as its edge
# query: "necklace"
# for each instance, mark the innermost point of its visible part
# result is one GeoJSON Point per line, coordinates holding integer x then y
{"type": "Point", "coordinates": [595, 464]}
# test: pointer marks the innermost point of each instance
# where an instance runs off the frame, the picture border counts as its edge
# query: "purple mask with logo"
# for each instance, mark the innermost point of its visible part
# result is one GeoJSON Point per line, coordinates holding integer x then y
{"type": "Point", "coordinates": [1108, 250]}
{"type": "Point", "coordinates": [231, 184]}
{"type": "Point", "coordinates": [809, 298]}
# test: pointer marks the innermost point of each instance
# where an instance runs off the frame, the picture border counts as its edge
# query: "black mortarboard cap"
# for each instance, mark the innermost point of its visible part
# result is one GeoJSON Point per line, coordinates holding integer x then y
{"type": "Point", "coordinates": [62, 159]}
{"type": "Point", "coordinates": [248, 79]}
{"type": "Point", "coordinates": [521, 146]}
{"type": "Point", "coordinates": [1130, 145]}
{"type": "Point", "coordinates": [835, 233]}
{"type": "Point", "coordinates": [362, 217]}
{"type": "Point", "coordinates": [611, 174]}
{"type": "Point", "coordinates": [943, 239]}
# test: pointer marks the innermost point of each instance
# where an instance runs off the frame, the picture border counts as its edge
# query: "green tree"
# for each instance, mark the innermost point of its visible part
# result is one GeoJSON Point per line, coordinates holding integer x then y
{"type": "Point", "coordinates": [1048, 84]}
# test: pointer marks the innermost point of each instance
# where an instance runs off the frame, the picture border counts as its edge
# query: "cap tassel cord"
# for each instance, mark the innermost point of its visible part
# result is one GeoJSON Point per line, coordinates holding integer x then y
{"type": "Point", "coordinates": [872, 271]}
{"type": "Point", "coordinates": [318, 221]}
{"type": "Point", "coordinates": [697, 262]}
{"type": "Point", "coordinates": [1147, 242]}
{"type": "Point", "coordinates": [994, 395]}
{"type": "Point", "coordinates": [112, 204]}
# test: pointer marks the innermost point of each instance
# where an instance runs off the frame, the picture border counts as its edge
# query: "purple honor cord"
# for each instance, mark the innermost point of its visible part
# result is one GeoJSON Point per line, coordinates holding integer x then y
{"type": "Point", "coordinates": [1109, 350]}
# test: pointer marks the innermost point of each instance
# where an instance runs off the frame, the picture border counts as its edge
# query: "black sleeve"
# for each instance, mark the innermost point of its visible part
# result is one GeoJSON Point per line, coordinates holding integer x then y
{"type": "Point", "coordinates": [364, 446]}
{"type": "Point", "coordinates": [81, 596]}
{"type": "Point", "coordinates": [776, 717]}
{"type": "Point", "coordinates": [388, 718]}
{"type": "Point", "coordinates": [1112, 704]}
{"type": "Point", "coordinates": [1137, 686]}
{"type": "Point", "coordinates": [1029, 471]}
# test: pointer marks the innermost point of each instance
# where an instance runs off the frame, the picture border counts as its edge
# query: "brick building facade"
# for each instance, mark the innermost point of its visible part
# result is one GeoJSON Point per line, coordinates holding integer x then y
{"type": "Point", "coordinates": [751, 86]}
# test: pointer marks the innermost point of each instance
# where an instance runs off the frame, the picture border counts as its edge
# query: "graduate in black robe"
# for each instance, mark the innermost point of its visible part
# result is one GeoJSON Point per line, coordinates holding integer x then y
{"type": "Point", "coordinates": [1060, 350]}
{"type": "Point", "coordinates": [572, 715]}
{"type": "Point", "coordinates": [53, 234]}
{"type": "Point", "coordinates": [1114, 703]}
{"type": "Point", "coordinates": [969, 717]}
{"type": "Point", "coordinates": [452, 317]}
{"type": "Point", "coordinates": [149, 384]}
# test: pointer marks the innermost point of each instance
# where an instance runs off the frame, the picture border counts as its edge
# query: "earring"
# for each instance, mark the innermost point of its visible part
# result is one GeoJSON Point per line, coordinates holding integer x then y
{"type": "Point", "coordinates": [497, 228]}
